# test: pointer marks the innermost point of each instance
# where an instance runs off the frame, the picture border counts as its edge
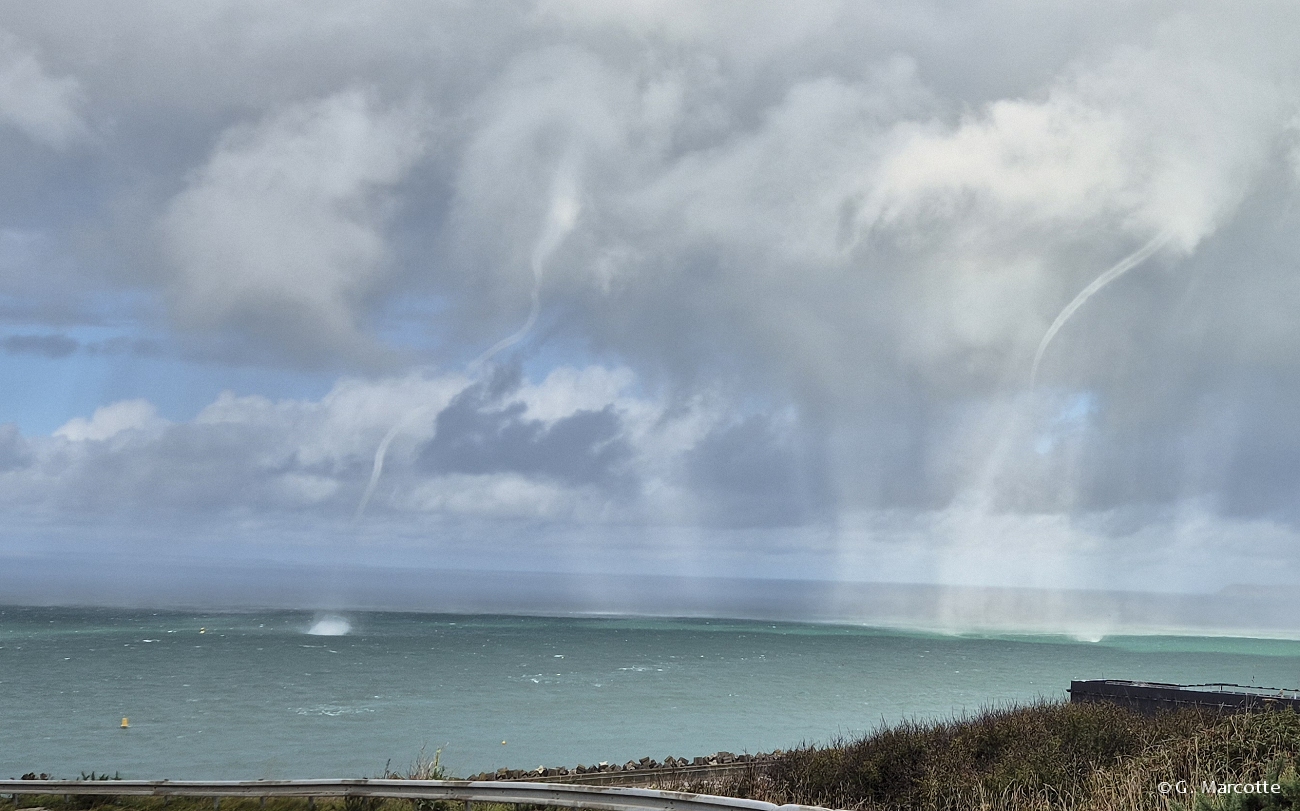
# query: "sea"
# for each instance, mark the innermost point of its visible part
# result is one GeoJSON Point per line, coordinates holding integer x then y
{"type": "Point", "coordinates": [264, 695]}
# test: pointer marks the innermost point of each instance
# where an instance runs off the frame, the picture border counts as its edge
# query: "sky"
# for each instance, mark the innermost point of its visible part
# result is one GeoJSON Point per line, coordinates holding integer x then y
{"type": "Point", "coordinates": [810, 290]}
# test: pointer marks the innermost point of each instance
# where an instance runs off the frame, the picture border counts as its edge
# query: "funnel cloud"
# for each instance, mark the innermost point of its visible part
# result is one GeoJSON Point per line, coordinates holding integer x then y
{"type": "Point", "coordinates": [1123, 266]}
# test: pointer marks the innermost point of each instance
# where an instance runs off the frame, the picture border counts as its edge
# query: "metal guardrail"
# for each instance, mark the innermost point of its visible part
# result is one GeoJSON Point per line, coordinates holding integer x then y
{"type": "Point", "coordinates": [603, 798]}
{"type": "Point", "coordinates": [658, 774]}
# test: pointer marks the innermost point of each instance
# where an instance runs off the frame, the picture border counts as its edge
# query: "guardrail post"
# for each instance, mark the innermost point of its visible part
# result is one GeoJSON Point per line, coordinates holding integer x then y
{"type": "Point", "coordinates": [469, 805]}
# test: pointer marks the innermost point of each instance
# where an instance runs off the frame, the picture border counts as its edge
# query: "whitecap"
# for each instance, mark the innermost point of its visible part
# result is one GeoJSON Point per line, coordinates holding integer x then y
{"type": "Point", "coordinates": [331, 710]}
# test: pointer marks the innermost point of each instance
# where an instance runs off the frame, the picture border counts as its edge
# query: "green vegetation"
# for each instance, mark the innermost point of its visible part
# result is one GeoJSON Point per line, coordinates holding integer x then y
{"type": "Point", "coordinates": [1044, 756]}
{"type": "Point", "coordinates": [1075, 757]}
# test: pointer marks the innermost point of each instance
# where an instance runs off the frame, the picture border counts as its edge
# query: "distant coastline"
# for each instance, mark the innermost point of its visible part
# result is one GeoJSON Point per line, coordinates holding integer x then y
{"type": "Point", "coordinates": [1239, 611]}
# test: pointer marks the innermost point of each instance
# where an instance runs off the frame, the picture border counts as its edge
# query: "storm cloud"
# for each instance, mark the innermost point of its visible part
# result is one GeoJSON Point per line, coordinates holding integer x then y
{"type": "Point", "coordinates": [477, 435]}
{"type": "Point", "coordinates": [768, 281]}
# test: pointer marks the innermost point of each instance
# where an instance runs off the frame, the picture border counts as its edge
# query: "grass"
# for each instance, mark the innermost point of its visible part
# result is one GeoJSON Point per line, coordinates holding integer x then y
{"type": "Point", "coordinates": [1041, 756]}
{"type": "Point", "coordinates": [1071, 757]}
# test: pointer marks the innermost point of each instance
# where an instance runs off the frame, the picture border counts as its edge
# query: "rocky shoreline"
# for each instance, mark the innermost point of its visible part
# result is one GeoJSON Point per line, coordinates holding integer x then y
{"type": "Point", "coordinates": [668, 765]}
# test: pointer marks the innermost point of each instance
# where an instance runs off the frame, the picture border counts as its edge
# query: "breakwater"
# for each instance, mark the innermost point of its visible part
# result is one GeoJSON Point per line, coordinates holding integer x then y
{"type": "Point", "coordinates": [1153, 697]}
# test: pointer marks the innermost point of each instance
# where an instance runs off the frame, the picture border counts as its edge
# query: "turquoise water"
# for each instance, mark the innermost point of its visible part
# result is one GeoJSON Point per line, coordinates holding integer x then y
{"type": "Point", "coordinates": [255, 696]}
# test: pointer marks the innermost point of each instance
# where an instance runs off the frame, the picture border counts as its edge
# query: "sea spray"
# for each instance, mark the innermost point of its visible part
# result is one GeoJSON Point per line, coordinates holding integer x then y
{"type": "Point", "coordinates": [330, 625]}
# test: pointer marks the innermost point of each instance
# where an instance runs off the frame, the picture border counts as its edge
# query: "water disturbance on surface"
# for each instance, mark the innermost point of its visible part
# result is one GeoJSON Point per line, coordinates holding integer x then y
{"type": "Point", "coordinates": [281, 695]}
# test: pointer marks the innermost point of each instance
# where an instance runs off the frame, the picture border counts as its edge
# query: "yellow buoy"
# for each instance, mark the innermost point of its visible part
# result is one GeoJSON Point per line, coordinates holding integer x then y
{"type": "Point", "coordinates": [503, 743]}
{"type": "Point", "coordinates": [126, 722]}
{"type": "Point", "coordinates": [203, 630]}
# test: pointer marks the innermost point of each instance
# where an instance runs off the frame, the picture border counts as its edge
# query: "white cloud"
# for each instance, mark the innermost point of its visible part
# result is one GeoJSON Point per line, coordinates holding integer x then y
{"type": "Point", "coordinates": [111, 420]}
{"type": "Point", "coordinates": [498, 496]}
{"type": "Point", "coordinates": [1159, 140]}
{"type": "Point", "coordinates": [282, 231]}
{"type": "Point", "coordinates": [568, 389]}
{"type": "Point", "coordinates": [1057, 160]}
{"type": "Point", "coordinates": [45, 108]}
{"type": "Point", "coordinates": [283, 455]}
{"type": "Point", "coordinates": [581, 447]}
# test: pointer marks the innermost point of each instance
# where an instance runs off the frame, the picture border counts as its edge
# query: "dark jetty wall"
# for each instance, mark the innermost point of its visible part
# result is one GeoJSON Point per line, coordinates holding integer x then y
{"type": "Point", "coordinates": [1150, 698]}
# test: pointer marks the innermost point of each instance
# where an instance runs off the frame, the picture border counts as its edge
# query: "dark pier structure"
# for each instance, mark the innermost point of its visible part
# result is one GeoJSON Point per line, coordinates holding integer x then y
{"type": "Point", "coordinates": [1153, 697]}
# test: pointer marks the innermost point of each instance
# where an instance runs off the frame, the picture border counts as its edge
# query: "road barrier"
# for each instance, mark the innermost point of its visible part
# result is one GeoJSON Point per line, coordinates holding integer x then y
{"type": "Point", "coordinates": [603, 798]}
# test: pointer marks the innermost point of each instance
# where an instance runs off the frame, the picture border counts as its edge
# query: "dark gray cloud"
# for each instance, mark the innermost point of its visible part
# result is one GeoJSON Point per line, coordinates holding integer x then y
{"type": "Point", "coordinates": [14, 451]}
{"type": "Point", "coordinates": [483, 432]}
{"type": "Point", "coordinates": [122, 345]}
{"type": "Point", "coordinates": [49, 346]}
{"type": "Point", "coordinates": [751, 473]}
{"type": "Point", "coordinates": [58, 345]}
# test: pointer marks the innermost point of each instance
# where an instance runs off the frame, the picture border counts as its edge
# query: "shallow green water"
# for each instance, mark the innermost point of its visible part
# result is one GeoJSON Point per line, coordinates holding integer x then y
{"type": "Point", "coordinates": [256, 696]}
